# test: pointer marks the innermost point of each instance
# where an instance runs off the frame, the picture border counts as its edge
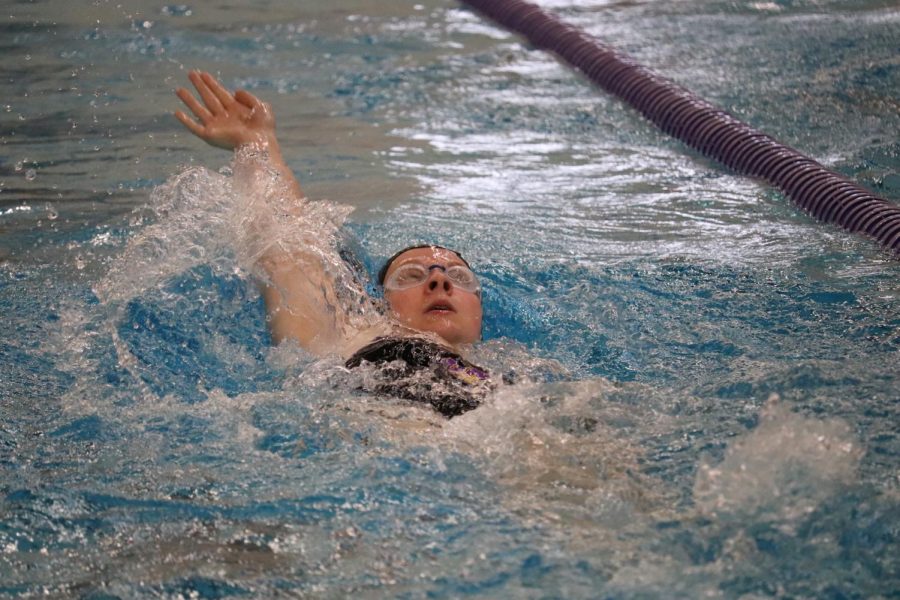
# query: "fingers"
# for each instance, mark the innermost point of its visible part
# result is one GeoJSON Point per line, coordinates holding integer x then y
{"type": "Point", "coordinates": [188, 122]}
{"type": "Point", "coordinates": [220, 118]}
{"type": "Point", "coordinates": [222, 94]}
{"type": "Point", "coordinates": [206, 94]}
{"type": "Point", "coordinates": [198, 109]}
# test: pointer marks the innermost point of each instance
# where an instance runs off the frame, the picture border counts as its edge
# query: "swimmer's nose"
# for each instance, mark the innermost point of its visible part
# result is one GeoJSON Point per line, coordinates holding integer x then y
{"type": "Point", "coordinates": [438, 279]}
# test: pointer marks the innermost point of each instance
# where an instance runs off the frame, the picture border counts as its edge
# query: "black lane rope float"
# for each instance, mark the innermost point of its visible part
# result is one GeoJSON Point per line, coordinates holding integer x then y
{"type": "Point", "coordinates": [824, 194]}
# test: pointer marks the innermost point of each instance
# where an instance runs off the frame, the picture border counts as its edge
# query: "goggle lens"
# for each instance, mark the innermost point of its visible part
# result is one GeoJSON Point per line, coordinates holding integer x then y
{"type": "Point", "coordinates": [411, 275]}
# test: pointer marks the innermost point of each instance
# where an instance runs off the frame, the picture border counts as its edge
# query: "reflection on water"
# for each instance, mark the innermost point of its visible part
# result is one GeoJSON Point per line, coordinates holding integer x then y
{"type": "Point", "coordinates": [705, 401]}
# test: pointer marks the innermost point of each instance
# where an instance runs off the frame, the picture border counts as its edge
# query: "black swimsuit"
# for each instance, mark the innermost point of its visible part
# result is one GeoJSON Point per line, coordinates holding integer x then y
{"type": "Point", "coordinates": [422, 371]}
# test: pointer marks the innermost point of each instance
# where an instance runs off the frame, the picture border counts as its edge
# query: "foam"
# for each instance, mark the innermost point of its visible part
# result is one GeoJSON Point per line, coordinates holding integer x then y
{"type": "Point", "coordinates": [781, 470]}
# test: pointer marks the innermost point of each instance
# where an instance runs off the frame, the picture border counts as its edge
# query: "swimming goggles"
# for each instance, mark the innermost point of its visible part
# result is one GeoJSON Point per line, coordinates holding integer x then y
{"type": "Point", "coordinates": [411, 275]}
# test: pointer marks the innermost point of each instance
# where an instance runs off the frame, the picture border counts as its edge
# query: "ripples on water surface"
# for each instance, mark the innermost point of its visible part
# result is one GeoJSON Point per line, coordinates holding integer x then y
{"type": "Point", "coordinates": [153, 444]}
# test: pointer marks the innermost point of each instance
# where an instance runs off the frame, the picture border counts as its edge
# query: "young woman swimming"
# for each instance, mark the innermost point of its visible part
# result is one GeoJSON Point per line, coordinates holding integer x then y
{"type": "Point", "coordinates": [431, 292]}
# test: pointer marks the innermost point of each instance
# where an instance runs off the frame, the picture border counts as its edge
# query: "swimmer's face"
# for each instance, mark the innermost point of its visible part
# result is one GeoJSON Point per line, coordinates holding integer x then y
{"type": "Point", "coordinates": [438, 305]}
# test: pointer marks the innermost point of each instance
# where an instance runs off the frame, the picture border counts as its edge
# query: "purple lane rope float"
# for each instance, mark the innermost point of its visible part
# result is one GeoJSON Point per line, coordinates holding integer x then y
{"type": "Point", "coordinates": [824, 194]}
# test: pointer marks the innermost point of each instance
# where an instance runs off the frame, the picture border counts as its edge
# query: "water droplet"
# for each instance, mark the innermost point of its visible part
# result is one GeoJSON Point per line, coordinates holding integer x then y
{"type": "Point", "coordinates": [30, 174]}
{"type": "Point", "coordinates": [18, 166]}
{"type": "Point", "coordinates": [51, 212]}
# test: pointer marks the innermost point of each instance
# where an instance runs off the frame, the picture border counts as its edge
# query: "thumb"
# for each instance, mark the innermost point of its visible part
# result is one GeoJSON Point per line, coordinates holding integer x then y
{"type": "Point", "coordinates": [248, 99]}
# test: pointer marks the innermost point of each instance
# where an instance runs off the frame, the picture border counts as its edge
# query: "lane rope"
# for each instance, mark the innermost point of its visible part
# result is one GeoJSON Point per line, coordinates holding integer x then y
{"type": "Point", "coordinates": [820, 192]}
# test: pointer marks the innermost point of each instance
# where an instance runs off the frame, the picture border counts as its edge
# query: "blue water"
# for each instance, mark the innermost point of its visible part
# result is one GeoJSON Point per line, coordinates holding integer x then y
{"type": "Point", "coordinates": [710, 395]}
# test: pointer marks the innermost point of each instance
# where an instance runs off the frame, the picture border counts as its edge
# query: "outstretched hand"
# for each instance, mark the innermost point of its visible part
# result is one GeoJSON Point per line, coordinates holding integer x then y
{"type": "Point", "coordinates": [223, 119]}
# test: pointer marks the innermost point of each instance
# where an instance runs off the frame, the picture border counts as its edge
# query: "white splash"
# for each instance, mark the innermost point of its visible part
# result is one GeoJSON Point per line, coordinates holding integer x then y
{"type": "Point", "coordinates": [781, 470]}
{"type": "Point", "coordinates": [228, 220]}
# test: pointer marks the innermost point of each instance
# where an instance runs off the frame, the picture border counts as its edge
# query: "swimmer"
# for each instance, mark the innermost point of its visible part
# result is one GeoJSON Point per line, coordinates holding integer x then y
{"type": "Point", "coordinates": [432, 295]}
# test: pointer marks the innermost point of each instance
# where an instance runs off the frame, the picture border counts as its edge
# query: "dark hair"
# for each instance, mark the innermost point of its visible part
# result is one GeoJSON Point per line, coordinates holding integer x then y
{"type": "Point", "coordinates": [387, 265]}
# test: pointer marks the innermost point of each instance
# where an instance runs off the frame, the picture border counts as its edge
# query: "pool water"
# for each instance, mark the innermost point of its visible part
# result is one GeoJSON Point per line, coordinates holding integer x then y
{"type": "Point", "coordinates": [708, 399]}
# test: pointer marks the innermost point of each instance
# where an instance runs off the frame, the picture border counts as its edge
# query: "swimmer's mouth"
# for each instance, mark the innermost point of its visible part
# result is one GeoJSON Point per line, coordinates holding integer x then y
{"type": "Point", "coordinates": [440, 307]}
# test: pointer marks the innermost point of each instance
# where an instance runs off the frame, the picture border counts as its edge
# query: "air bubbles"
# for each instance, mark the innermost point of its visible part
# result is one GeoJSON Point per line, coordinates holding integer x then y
{"type": "Point", "coordinates": [30, 171]}
{"type": "Point", "coordinates": [141, 24]}
{"type": "Point", "coordinates": [177, 10]}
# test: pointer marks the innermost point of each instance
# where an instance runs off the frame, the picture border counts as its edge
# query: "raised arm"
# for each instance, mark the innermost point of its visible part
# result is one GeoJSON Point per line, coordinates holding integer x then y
{"type": "Point", "coordinates": [299, 293]}
{"type": "Point", "coordinates": [232, 121]}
